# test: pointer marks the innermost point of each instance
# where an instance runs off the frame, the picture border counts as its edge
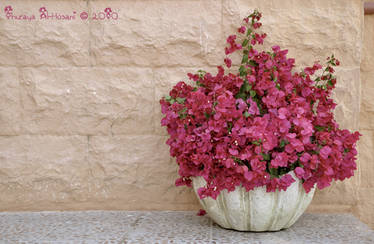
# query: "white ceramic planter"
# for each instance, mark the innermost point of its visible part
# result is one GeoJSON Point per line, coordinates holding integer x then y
{"type": "Point", "coordinates": [256, 210]}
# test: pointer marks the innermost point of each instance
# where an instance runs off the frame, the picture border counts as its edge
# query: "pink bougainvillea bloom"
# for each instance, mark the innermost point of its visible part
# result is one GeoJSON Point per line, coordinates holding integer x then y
{"type": "Point", "coordinates": [325, 152]}
{"type": "Point", "coordinates": [280, 160]}
{"type": "Point", "coordinates": [227, 62]}
{"type": "Point", "coordinates": [242, 29]}
{"type": "Point", "coordinates": [252, 127]}
{"type": "Point", "coordinates": [201, 212]}
{"type": "Point", "coordinates": [248, 175]}
{"type": "Point", "coordinates": [299, 172]}
{"type": "Point", "coordinates": [253, 108]}
{"type": "Point", "coordinates": [282, 113]}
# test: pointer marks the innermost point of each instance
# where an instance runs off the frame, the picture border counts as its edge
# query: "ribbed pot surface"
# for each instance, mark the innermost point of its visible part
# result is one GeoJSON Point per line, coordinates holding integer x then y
{"type": "Point", "coordinates": [256, 210]}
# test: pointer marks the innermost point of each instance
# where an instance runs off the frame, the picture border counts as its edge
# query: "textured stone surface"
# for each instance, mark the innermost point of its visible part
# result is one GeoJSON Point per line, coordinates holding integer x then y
{"type": "Point", "coordinates": [367, 48]}
{"type": "Point", "coordinates": [364, 210]}
{"type": "Point", "coordinates": [309, 33]}
{"type": "Point", "coordinates": [44, 42]}
{"type": "Point", "coordinates": [10, 105]}
{"type": "Point", "coordinates": [169, 227]}
{"type": "Point", "coordinates": [367, 102]}
{"type": "Point", "coordinates": [127, 169]}
{"type": "Point", "coordinates": [365, 207]}
{"type": "Point", "coordinates": [366, 146]}
{"type": "Point", "coordinates": [37, 171]}
{"type": "Point", "coordinates": [87, 101]}
{"type": "Point", "coordinates": [79, 112]}
{"type": "Point", "coordinates": [347, 96]}
{"type": "Point", "coordinates": [157, 33]}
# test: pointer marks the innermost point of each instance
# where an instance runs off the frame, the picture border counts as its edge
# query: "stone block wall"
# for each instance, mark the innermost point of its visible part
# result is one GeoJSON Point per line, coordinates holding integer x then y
{"type": "Point", "coordinates": [365, 208]}
{"type": "Point", "coordinates": [79, 112]}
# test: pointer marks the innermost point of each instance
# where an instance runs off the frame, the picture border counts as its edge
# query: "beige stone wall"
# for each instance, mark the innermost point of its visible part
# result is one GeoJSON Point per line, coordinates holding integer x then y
{"type": "Point", "coordinates": [79, 112]}
{"type": "Point", "coordinates": [365, 208]}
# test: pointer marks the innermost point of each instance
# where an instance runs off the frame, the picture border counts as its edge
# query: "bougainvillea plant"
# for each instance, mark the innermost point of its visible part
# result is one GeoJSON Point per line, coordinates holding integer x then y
{"type": "Point", "coordinates": [253, 126]}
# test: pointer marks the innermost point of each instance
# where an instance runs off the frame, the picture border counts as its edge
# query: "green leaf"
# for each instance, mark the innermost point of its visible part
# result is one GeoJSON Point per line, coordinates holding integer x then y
{"type": "Point", "coordinates": [265, 156]}
{"type": "Point", "coordinates": [249, 31]}
{"type": "Point", "coordinates": [258, 142]}
{"type": "Point", "coordinates": [244, 43]}
{"type": "Point", "coordinates": [238, 161]}
{"type": "Point", "coordinates": [312, 139]}
{"type": "Point", "coordinates": [246, 114]}
{"type": "Point", "coordinates": [241, 95]}
{"type": "Point", "coordinates": [247, 86]}
{"type": "Point", "coordinates": [242, 71]}
{"type": "Point", "coordinates": [252, 93]}
{"type": "Point", "coordinates": [319, 128]}
{"type": "Point", "coordinates": [229, 126]}
{"type": "Point", "coordinates": [282, 171]}
{"type": "Point", "coordinates": [206, 115]}
{"type": "Point", "coordinates": [180, 100]}
{"type": "Point", "coordinates": [244, 59]}
{"type": "Point", "coordinates": [182, 113]}
{"type": "Point", "coordinates": [242, 87]}
{"type": "Point", "coordinates": [252, 63]}
{"type": "Point", "coordinates": [198, 83]}
{"type": "Point", "coordinates": [273, 172]}
{"type": "Point", "coordinates": [283, 143]}
{"type": "Point", "coordinates": [201, 73]}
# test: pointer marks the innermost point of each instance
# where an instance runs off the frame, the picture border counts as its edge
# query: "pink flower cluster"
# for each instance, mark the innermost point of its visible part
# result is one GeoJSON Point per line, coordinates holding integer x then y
{"type": "Point", "coordinates": [253, 126]}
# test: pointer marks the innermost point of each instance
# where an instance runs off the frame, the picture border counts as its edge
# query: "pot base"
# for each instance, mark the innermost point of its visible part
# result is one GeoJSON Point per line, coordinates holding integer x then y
{"type": "Point", "coordinates": [256, 210]}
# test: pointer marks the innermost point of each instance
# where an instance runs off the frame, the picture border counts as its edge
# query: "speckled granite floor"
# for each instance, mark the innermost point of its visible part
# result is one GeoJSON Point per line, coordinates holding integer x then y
{"type": "Point", "coordinates": [169, 227]}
